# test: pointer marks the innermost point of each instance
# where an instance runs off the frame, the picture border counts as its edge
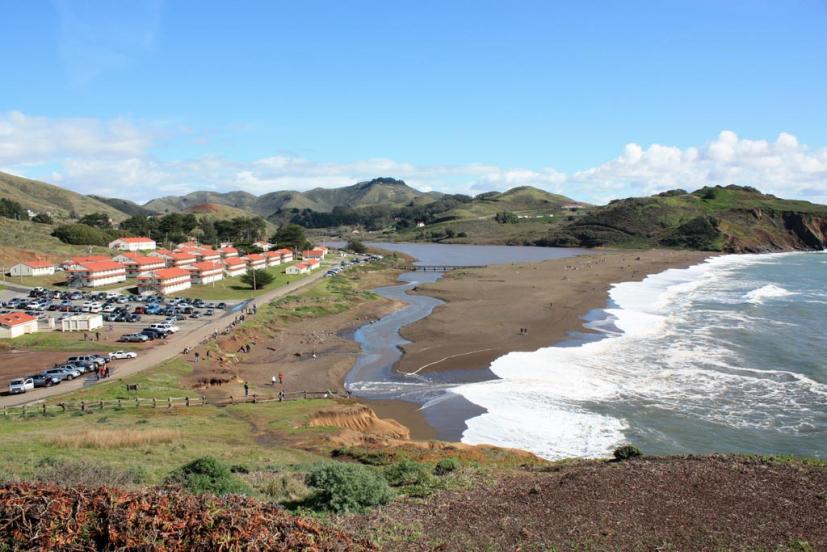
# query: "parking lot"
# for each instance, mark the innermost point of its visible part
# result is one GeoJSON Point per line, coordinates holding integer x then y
{"type": "Point", "coordinates": [131, 323]}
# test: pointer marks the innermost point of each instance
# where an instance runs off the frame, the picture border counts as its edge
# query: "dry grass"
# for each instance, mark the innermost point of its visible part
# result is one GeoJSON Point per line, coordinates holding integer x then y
{"type": "Point", "coordinates": [112, 439]}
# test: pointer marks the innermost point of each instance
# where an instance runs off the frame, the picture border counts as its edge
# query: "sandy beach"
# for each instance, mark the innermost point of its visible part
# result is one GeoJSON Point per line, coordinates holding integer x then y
{"type": "Point", "coordinates": [486, 308]}
{"type": "Point", "coordinates": [480, 321]}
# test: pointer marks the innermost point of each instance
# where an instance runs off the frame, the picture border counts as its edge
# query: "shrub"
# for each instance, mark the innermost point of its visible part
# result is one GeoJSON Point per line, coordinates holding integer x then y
{"type": "Point", "coordinates": [284, 487]}
{"type": "Point", "coordinates": [206, 475]}
{"type": "Point", "coordinates": [446, 466]}
{"type": "Point", "coordinates": [83, 472]}
{"type": "Point", "coordinates": [408, 473]}
{"type": "Point", "coordinates": [82, 234]}
{"type": "Point", "coordinates": [348, 488]}
{"type": "Point", "coordinates": [627, 452]}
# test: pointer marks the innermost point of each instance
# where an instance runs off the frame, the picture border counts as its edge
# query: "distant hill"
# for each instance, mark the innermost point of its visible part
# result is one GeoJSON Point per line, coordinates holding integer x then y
{"type": "Point", "coordinates": [731, 219]}
{"type": "Point", "coordinates": [125, 206]}
{"type": "Point", "coordinates": [178, 204]}
{"type": "Point", "coordinates": [60, 202]}
{"type": "Point", "coordinates": [379, 191]}
{"type": "Point", "coordinates": [522, 201]}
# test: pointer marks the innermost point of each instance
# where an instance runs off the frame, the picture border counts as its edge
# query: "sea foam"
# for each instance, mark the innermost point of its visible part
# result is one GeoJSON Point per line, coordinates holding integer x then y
{"type": "Point", "coordinates": [563, 401]}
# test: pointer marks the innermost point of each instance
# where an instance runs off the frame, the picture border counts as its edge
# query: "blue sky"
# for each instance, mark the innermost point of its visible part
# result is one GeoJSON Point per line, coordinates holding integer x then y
{"type": "Point", "coordinates": [593, 99]}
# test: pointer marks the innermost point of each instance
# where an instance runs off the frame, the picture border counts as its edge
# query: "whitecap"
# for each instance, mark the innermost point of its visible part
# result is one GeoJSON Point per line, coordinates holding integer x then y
{"type": "Point", "coordinates": [769, 291]}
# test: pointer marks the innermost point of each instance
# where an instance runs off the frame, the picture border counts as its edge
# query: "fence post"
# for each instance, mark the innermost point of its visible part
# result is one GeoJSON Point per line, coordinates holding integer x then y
{"type": "Point", "coordinates": [101, 406]}
{"type": "Point", "coordinates": [24, 410]}
{"type": "Point", "coordinates": [305, 395]}
{"type": "Point", "coordinates": [154, 403]}
{"type": "Point", "coordinates": [83, 406]}
{"type": "Point", "coordinates": [137, 402]}
{"type": "Point", "coordinates": [119, 403]}
{"type": "Point", "coordinates": [188, 401]}
{"type": "Point", "coordinates": [232, 400]}
{"type": "Point", "coordinates": [44, 409]}
{"type": "Point", "coordinates": [203, 399]}
{"type": "Point", "coordinates": [5, 412]}
{"type": "Point", "coordinates": [169, 402]}
{"type": "Point", "coordinates": [254, 398]}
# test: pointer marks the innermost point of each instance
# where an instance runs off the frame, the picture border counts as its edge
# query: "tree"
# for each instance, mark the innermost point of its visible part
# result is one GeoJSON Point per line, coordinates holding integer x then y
{"type": "Point", "coordinates": [82, 234]}
{"type": "Point", "coordinates": [257, 279]}
{"type": "Point", "coordinates": [290, 236]}
{"type": "Point", "coordinates": [357, 246]}
{"type": "Point", "coordinates": [97, 220]}
{"type": "Point", "coordinates": [506, 217]}
{"type": "Point", "coordinates": [13, 210]}
{"type": "Point", "coordinates": [42, 218]}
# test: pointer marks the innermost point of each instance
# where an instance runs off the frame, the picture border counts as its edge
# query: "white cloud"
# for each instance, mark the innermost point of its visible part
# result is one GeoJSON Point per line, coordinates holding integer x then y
{"type": "Point", "coordinates": [116, 158]}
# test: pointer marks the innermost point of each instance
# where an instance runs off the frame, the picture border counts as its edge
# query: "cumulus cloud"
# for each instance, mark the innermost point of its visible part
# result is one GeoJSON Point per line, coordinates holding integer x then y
{"type": "Point", "coordinates": [117, 158]}
{"type": "Point", "coordinates": [782, 167]}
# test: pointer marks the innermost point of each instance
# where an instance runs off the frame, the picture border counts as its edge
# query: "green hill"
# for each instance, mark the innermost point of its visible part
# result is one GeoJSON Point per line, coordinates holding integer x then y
{"type": "Point", "coordinates": [48, 198]}
{"type": "Point", "coordinates": [732, 219]}
{"type": "Point", "coordinates": [178, 204]}
{"type": "Point", "coordinates": [125, 206]}
{"type": "Point", "coordinates": [524, 201]}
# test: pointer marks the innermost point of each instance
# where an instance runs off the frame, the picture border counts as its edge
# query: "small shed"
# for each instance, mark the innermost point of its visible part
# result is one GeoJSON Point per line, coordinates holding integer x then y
{"type": "Point", "coordinates": [81, 322]}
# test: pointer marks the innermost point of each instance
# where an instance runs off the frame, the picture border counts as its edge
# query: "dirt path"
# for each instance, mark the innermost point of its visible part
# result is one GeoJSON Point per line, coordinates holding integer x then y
{"type": "Point", "coordinates": [159, 354]}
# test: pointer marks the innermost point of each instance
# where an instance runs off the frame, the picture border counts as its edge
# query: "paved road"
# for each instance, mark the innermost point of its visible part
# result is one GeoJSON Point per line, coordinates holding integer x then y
{"type": "Point", "coordinates": [153, 357]}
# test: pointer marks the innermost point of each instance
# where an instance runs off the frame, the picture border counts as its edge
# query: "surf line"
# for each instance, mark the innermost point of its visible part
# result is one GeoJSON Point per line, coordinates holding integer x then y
{"type": "Point", "coordinates": [415, 372]}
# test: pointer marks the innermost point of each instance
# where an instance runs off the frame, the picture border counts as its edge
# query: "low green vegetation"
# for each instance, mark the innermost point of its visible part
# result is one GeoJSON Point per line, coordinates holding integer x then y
{"type": "Point", "coordinates": [59, 341]}
{"type": "Point", "coordinates": [235, 289]}
{"type": "Point", "coordinates": [207, 475]}
{"type": "Point", "coordinates": [347, 488]}
{"type": "Point", "coordinates": [626, 452]}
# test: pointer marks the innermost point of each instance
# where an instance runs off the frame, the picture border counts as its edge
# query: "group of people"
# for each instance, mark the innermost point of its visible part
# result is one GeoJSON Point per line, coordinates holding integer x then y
{"type": "Point", "coordinates": [523, 331]}
{"type": "Point", "coordinates": [102, 372]}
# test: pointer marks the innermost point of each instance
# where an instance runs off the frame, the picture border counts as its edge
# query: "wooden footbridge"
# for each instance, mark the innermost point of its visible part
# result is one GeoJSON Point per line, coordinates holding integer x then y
{"type": "Point", "coordinates": [438, 268]}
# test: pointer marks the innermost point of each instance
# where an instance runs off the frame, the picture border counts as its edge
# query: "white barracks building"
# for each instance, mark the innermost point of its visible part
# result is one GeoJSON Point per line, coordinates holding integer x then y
{"type": "Point", "coordinates": [96, 274]}
{"type": "Point", "coordinates": [165, 281]}
{"type": "Point", "coordinates": [132, 244]}
{"type": "Point", "coordinates": [206, 272]}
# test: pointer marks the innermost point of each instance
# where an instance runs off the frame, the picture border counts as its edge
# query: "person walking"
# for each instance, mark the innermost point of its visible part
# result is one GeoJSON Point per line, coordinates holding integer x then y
{"type": "Point", "coordinates": [281, 378]}
{"type": "Point", "coordinates": [197, 356]}
{"type": "Point", "coordinates": [97, 336]}
{"type": "Point", "coordinates": [246, 389]}
{"type": "Point", "coordinates": [273, 380]}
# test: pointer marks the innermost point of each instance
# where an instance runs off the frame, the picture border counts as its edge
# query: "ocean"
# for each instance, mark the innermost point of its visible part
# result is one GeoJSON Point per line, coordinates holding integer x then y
{"type": "Point", "coordinates": [726, 356]}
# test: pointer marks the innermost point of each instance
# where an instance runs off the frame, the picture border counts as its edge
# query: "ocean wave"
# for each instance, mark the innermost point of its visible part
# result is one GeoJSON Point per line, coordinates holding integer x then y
{"type": "Point", "coordinates": [769, 291]}
{"type": "Point", "coordinates": [577, 401]}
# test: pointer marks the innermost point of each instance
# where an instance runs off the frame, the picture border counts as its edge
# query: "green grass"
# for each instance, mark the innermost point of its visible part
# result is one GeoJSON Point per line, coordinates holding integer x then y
{"type": "Point", "coordinates": [59, 341]}
{"type": "Point", "coordinates": [242, 434]}
{"type": "Point", "coordinates": [233, 289]}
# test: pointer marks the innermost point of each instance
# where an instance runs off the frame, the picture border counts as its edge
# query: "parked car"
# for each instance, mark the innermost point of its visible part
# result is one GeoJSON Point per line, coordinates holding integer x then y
{"type": "Point", "coordinates": [123, 355]}
{"type": "Point", "coordinates": [21, 385]}
{"type": "Point", "coordinates": [61, 373]}
{"type": "Point", "coordinates": [134, 338]}
{"type": "Point", "coordinates": [209, 312]}
{"type": "Point", "coordinates": [44, 380]}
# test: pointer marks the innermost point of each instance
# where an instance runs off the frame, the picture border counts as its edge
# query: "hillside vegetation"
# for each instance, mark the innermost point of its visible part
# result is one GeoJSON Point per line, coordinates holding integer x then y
{"type": "Point", "coordinates": [47, 198]}
{"type": "Point", "coordinates": [731, 219]}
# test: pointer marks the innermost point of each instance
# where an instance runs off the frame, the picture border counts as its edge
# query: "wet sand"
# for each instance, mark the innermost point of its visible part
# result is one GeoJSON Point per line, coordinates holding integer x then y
{"type": "Point", "coordinates": [486, 308]}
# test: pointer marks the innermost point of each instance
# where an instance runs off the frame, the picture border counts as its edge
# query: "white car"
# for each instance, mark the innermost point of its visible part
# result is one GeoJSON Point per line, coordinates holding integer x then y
{"type": "Point", "coordinates": [123, 354]}
{"type": "Point", "coordinates": [21, 385]}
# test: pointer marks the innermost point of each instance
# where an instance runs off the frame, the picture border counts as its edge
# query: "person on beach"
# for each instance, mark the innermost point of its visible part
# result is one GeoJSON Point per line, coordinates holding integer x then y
{"type": "Point", "coordinates": [281, 378]}
{"type": "Point", "coordinates": [197, 356]}
{"type": "Point", "coordinates": [273, 380]}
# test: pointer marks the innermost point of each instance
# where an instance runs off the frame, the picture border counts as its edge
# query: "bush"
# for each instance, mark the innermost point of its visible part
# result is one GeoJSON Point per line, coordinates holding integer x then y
{"type": "Point", "coordinates": [206, 475]}
{"type": "Point", "coordinates": [446, 466]}
{"type": "Point", "coordinates": [408, 473]}
{"type": "Point", "coordinates": [348, 488]}
{"type": "Point", "coordinates": [257, 279]}
{"type": "Point", "coordinates": [42, 218]}
{"type": "Point", "coordinates": [627, 452]}
{"type": "Point", "coordinates": [91, 474]}
{"type": "Point", "coordinates": [82, 234]}
{"type": "Point", "coordinates": [357, 246]}
{"type": "Point", "coordinates": [284, 487]}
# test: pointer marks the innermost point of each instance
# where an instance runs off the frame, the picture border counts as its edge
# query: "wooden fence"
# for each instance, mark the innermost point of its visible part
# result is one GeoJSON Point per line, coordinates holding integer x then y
{"type": "Point", "coordinates": [43, 409]}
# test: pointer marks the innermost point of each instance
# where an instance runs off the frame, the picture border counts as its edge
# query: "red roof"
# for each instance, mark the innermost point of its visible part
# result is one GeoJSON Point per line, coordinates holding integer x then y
{"type": "Point", "coordinates": [15, 319]}
{"type": "Point", "coordinates": [167, 273]}
{"type": "Point", "coordinates": [37, 264]}
{"type": "Point", "coordinates": [145, 260]}
{"type": "Point", "coordinates": [135, 240]}
{"type": "Point", "coordinates": [234, 261]}
{"type": "Point", "coordinates": [180, 256]}
{"type": "Point", "coordinates": [283, 251]}
{"type": "Point", "coordinates": [207, 265]}
{"type": "Point", "coordinates": [100, 266]}
{"type": "Point", "coordinates": [255, 257]}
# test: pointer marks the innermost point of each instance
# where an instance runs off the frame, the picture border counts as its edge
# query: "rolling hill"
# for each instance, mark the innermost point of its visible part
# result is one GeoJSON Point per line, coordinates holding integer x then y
{"type": "Point", "coordinates": [125, 206]}
{"type": "Point", "coordinates": [733, 219]}
{"type": "Point", "coordinates": [48, 198]}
